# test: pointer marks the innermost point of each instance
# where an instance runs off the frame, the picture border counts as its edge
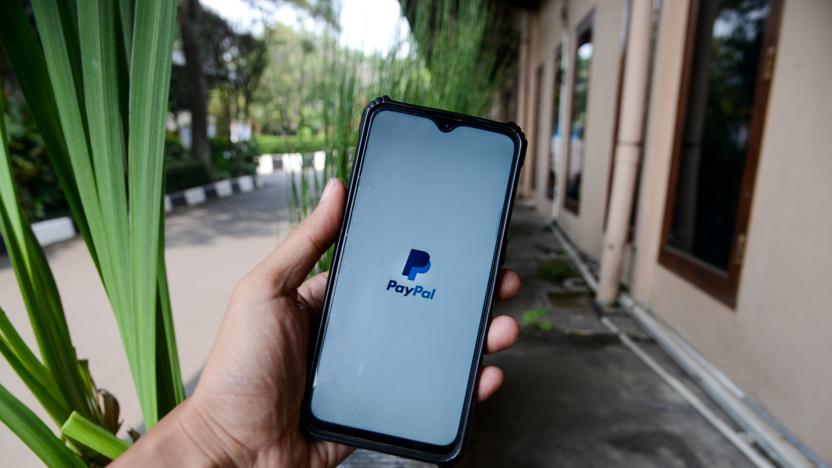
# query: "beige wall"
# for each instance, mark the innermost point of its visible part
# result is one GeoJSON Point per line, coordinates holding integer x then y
{"type": "Point", "coordinates": [585, 229]}
{"type": "Point", "coordinates": [777, 343]}
{"type": "Point", "coordinates": [549, 36]}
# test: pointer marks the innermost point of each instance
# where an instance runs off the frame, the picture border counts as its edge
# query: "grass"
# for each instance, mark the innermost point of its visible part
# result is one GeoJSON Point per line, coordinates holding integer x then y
{"type": "Point", "coordinates": [555, 270]}
{"type": "Point", "coordinates": [537, 318]}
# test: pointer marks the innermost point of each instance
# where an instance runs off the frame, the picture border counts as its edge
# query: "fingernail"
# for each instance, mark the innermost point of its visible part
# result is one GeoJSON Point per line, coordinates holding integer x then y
{"type": "Point", "coordinates": [327, 190]}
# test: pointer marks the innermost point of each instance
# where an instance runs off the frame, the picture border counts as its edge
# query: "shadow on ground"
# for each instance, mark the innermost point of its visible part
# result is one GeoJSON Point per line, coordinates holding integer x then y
{"type": "Point", "coordinates": [243, 215]}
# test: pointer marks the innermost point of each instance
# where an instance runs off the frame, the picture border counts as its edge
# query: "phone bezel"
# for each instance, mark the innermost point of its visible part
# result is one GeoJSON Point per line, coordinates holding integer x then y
{"type": "Point", "coordinates": [445, 121]}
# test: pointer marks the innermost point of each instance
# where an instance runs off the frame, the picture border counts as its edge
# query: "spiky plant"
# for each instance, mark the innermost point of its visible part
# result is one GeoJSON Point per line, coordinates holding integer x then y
{"type": "Point", "coordinates": [95, 75]}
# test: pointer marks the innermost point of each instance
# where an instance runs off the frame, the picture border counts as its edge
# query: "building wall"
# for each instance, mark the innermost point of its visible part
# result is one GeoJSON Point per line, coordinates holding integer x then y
{"type": "Point", "coordinates": [777, 342]}
{"type": "Point", "coordinates": [585, 228]}
{"type": "Point", "coordinates": [549, 27]}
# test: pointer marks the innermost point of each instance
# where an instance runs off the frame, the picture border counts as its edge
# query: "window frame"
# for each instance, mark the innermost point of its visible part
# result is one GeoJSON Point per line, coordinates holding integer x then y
{"type": "Point", "coordinates": [588, 23]}
{"type": "Point", "coordinates": [719, 284]}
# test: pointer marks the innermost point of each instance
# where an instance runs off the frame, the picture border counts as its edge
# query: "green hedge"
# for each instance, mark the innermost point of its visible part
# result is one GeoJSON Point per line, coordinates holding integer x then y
{"type": "Point", "coordinates": [233, 159]}
{"type": "Point", "coordinates": [181, 175]}
{"type": "Point", "coordinates": [279, 144]}
{"type": "Point", "coordinates": [227, 159]}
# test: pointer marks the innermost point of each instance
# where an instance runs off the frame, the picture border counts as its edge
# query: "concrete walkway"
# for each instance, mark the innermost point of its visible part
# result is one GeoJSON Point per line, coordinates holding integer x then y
{"type": "Point", "coordinates": [573, 396]}
{"type": "Point", "coordinates": [209, 248]}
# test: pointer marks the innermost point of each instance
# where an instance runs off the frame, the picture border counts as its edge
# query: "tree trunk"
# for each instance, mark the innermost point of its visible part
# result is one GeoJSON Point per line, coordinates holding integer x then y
{"type": "Point", "coordinates": [189, 23]}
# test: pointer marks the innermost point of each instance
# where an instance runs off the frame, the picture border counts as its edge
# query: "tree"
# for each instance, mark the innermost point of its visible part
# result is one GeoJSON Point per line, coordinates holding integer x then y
{"type": "Point", "coordinates": [218, 57]}
{"type": "Point", "coordinates": [288, 97]}
{"type": "Point", "coordinates": [249, 64]}
{"type": "Point", "coordinates": [190, 13]}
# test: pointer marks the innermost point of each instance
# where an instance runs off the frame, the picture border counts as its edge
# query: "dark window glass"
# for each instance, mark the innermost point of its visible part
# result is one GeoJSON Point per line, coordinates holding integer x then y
{"type": "Point", "coordinates": [715, 138]}
{"type": "Point", "coordinates": [555, 143]}
{"type": "Point", "coordinates": [580, 98]}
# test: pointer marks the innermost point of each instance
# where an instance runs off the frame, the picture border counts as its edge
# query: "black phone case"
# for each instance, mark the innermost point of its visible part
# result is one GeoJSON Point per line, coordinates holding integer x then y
{"type": "Point", "coordinates": [445, 455]}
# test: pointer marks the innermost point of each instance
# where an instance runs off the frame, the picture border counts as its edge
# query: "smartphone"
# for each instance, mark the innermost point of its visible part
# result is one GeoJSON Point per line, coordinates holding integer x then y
{"type": "Point", "coordinates": [411, 287]}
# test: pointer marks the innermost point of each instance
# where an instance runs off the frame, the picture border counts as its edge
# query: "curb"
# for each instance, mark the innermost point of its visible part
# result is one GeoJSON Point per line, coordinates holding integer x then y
{"type": "Point", "coordinates": [60, 229]}
{"type": "Point", "coordinates": [203, 193]}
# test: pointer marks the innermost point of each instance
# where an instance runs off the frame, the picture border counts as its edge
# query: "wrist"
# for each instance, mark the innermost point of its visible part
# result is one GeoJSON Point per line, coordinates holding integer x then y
{"type": "Point", "coordinates": [185, 437]}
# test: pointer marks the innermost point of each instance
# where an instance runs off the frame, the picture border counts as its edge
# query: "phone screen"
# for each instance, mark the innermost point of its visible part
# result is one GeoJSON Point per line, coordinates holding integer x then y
{"type": "Point", "coordinates": [411, 286]}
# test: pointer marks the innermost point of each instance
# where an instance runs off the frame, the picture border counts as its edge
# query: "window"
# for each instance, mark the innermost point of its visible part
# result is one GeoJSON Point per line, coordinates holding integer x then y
{"type": "Point", "coordinates": [577, 128]}
{"type": "Point", "coordinates": [554, 145]}
{"type": "Point", "coordinates": [728, 62]}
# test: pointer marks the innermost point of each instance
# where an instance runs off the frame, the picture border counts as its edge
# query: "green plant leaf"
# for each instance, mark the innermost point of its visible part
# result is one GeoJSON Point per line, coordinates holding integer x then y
{"type": "Point", "coordinates": [532, 316]}
{"type": "Point", "coordinates": [125, 11]}
{"type": "Point", "coordinates": [10, 337]}
{"type": "Point", "coordinates": [57, 410]}
{"type": "Point", "coordinates": [40, 295]}
{"type": "Point", "coordinates": [81, 429]}
{"type": "Point", "coordinates": [171, 390]}
{"type": "Point", "coordinates": [150, 67]}
{"type": "Point", "coordinates": [26, 56]}
{"type": "Point", "coordinates": [34, 433]}
{"type": "Point", "coordinates": [99, 43]}
{"type": "Point", "coordinates": [97, 83]}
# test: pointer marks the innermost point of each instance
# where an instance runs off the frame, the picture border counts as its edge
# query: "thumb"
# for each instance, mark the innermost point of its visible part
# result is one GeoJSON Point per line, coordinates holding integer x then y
{"type": "Point", "coordinates": [293, 259]}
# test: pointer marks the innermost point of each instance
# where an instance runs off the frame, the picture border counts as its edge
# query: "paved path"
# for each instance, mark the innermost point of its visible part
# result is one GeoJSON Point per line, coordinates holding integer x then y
{"type": "Point", "coordinates": [573, 396]}
{"type": "Point", "coordinates": [209, 247]}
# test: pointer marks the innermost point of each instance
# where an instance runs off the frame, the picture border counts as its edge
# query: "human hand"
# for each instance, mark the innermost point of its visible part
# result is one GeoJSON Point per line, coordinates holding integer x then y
{"type": "Point", "coordinates": [247, 406]}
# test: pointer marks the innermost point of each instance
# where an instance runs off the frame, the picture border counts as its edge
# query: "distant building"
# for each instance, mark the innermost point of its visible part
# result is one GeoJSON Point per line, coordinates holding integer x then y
{"type": "Point", "coordinates": [686, 146]}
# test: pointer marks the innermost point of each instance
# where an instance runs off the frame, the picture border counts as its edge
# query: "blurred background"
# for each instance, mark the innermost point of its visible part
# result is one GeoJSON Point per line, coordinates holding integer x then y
{"type": "Point", "coordinates": [669, 227]}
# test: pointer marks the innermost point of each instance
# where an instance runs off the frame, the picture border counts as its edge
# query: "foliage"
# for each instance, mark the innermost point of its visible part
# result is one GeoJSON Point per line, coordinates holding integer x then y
{"type": "Point", "coordinates": [537, 318]}
{"type": "Point", "coordinates": [555, 270]}
{"type": "Point", "coordinates": [96, 83]}
{"type": "Point", "coordinates": [91, 435]}
{"type": "Point", "coordinates": [463, 54]}
{"type": "Point", "coordinates": [38, 190]}
{"type": "Point", "coordinates": [234, 159]}
{"type": "Point", "coordinates": [287, 101]}
{"type": "Point", "coordinates": [228, 160]}
{"type": "Point", "coordinates": [184, 174]}
{"type": "Point", "coordinates": [34, 433]}
{"type": "Point", "coordinates": [215, 37]}
{"type": "Point", "coordinates": [451, 61]}
{"type": "Point", "coordinates": [174, 149]}
{"type": "Point", "coordinates": [232, 64]}
{"type": "Point", "coordinates": [282, 144]}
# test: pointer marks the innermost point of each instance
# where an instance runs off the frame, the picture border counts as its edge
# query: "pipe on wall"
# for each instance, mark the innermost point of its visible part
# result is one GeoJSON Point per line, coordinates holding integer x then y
{"type": "Point", "coordinates": [523, 98]}
{"type": "Point", "coordinates": [628, 149]}
{"type": "Point", "coordinates": [558, 162]}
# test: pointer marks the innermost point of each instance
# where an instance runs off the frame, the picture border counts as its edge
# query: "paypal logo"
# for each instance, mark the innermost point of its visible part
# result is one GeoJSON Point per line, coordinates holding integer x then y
{"type": "Point", "coordinates": [417, 262]}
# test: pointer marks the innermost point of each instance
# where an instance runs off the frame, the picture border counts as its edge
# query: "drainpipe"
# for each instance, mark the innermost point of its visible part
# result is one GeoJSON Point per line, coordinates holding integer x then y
{"type": "Point", "coordinates": [523, 101]}
{"type": "Point", "coordinates": [560, 150]}
{"type": "Point", "coordinates": [628, 149]}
